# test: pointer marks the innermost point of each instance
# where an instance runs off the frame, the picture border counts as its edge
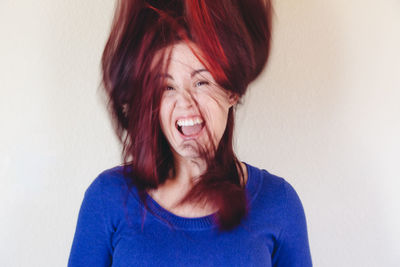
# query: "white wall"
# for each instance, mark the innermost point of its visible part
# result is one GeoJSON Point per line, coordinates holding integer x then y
{"type": "Point", "coordinates": [329, 104]}
{"type": "Point", "coordinates": [325, 115]}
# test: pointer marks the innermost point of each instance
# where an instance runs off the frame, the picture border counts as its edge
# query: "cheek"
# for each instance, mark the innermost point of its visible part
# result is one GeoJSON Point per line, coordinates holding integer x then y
{"type": "Point", "coordinates": [221, 122]}
{"type": "Point", "coordinates": [217, 116]}
{"type": "Point", "coordinates": [165, 115]}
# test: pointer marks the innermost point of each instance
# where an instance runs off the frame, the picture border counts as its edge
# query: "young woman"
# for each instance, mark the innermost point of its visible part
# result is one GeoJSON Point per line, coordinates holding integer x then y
{"type": "Point", "coordinates": [174, 71]}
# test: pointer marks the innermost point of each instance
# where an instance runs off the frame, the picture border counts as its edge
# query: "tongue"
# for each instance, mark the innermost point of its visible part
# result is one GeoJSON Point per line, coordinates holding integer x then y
{"type": "Point", "coordinates": [191, 130]}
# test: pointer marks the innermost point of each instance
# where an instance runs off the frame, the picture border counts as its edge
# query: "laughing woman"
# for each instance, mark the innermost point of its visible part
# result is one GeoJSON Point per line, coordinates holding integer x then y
{"type": "Point", "coordinates": [174, 72]}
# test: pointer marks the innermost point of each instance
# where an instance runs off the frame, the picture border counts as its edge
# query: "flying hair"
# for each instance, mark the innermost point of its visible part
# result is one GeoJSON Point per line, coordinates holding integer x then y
{"type": "Point", "coordinates": [233, 41]}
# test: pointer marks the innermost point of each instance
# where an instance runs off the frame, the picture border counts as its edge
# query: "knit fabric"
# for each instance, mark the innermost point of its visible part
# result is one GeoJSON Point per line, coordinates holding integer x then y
{"type": "Point", "coordinates": [114, 229]}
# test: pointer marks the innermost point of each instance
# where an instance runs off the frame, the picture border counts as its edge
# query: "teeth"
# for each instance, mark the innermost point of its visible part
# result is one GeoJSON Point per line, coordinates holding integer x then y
{"type": "Point", "coordinates": [189, 122]}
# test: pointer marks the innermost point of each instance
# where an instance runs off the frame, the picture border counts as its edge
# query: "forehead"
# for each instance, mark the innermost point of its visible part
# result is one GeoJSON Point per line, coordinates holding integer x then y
{"type": "Point", "coordinates": [183, 57]}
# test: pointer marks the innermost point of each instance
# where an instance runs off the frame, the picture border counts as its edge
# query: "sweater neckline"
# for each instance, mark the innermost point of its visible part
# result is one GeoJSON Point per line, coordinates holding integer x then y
{"type": "Point", "coordinates": [204, 222]}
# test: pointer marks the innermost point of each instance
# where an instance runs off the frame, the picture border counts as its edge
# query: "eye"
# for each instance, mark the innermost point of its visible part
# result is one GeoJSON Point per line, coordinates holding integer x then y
{"type": "Point", "coordinates": [200, 83]}
{"type": "Point", "coordinates": [168, 88]}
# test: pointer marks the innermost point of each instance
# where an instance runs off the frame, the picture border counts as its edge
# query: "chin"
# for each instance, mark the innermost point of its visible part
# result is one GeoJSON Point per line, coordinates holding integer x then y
{"type": "Point", "coordinates": [190, 150]}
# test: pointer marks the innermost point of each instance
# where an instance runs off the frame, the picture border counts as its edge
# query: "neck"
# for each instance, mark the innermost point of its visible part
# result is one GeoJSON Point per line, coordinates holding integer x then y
{"type": "Point", "coordinates": [187, 170]}
{"type": "Point", "coordinates": [170, 193]}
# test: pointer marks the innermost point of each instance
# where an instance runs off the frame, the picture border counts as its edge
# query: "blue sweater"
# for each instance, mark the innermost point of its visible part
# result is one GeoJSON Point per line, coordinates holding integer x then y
{"type": "Point", "coordinates": [110, 230]}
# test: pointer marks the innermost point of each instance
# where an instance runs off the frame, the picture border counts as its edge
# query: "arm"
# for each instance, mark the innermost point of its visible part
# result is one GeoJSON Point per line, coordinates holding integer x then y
{"type": "Point", "coordinates": [292, 244]}
{"type": "Point", "coordinates": [92, 240]}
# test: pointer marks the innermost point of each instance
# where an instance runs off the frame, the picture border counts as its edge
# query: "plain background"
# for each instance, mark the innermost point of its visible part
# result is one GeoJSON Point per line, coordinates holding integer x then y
{"type": "Point", "coordinates": [325, 115]}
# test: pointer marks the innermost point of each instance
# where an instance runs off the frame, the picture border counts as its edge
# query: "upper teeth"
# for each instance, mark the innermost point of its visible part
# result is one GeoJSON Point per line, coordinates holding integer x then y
{"type": "Point", "coordinates": [189, 122]}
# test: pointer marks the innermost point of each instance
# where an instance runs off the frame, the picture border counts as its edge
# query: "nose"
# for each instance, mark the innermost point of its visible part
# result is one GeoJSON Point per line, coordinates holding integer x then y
{"type": "Point", "coordinates": [185, 99]}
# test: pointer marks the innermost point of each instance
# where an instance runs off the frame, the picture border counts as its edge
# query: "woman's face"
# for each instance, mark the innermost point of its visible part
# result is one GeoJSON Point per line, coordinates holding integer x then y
{"type": "Point", "coordinates": [194, 109]}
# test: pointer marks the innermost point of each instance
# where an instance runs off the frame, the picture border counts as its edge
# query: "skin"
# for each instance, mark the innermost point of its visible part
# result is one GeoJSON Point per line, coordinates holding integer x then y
{"type": "Point", "coordinates": [191, 92]}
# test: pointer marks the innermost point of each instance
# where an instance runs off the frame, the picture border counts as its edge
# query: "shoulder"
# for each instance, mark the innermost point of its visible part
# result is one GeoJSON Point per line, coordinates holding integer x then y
{"type": "Point", "coordinates": [278, 210]}
{"type": "Point", "coordinates": [100, 215]}
{"type": "Point", "coordinates": [108, 185]}
{"type": "Point", "coordinates": [281, 190]}
{"type": "Point", "coordinates": [269, 185]}
{"type": "Point", "coordinates": [274, 194]}
{"type": "Point", "coordinates": [107, 197]}
{"type": "Point", "coordinates": [109, 177]}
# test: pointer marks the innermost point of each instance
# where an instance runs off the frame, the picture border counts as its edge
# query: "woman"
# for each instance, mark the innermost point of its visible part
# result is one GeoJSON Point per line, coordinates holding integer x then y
{"type": "Point", "coordinates": [174, 72]}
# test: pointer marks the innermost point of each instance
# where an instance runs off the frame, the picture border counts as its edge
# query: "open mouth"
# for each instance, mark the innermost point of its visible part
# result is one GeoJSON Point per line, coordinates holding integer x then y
{"type": "Point", "coordinates": [190, 126]}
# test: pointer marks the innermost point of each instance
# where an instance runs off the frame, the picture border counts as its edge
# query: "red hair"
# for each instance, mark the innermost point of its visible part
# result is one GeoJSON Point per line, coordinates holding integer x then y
{"type": "Point", "coordinates": [234, 39]}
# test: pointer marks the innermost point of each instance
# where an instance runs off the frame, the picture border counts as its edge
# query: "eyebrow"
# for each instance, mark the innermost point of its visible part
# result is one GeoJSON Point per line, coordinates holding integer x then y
{"type": "Point", "coordinates": [194, 73]}
{"type": "Point", "coordinates": [166, 75]}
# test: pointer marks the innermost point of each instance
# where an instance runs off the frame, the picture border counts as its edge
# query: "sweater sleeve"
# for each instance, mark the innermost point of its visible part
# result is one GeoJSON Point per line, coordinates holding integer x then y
{"type": "Point", "coordinates": [293, 248]}
{"type": "Point", "coordinates": [92, 241]}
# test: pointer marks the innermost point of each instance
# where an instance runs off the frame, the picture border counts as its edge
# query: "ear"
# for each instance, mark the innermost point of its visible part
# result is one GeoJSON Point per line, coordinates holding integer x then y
{"type": "Point", "coordinates": [233, 98]}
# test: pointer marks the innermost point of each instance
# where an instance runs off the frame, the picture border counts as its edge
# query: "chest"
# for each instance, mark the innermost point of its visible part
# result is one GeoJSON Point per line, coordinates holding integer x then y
{"type": "Point", "coordinates": [157, 246]}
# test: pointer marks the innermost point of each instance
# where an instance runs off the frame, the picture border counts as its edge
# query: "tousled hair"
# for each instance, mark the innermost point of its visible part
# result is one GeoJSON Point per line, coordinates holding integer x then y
{"type": "Point", "coordinates": [233, 37]}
